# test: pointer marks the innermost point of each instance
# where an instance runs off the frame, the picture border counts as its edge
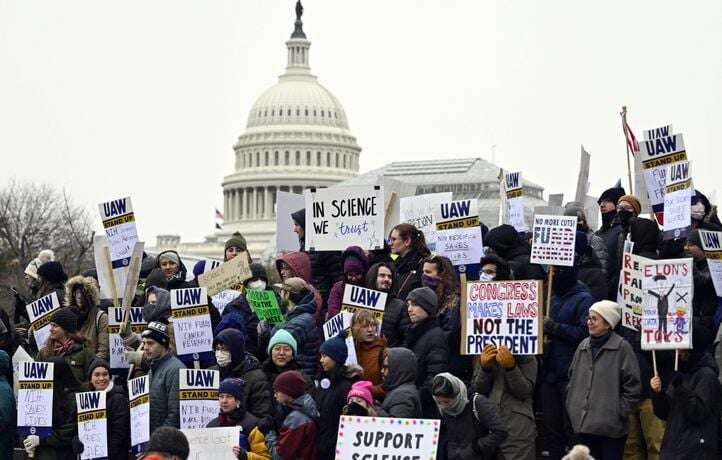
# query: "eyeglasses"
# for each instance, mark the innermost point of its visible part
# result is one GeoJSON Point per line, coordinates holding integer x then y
{"type": "Point", "coordinates": [592, 319]}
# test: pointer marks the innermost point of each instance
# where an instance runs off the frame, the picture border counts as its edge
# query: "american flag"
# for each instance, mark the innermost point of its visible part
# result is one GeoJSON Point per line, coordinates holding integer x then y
{"type": "Point", "coordinates": [219, 215]}
{"type": "Point", "coordinates": [631, 140]}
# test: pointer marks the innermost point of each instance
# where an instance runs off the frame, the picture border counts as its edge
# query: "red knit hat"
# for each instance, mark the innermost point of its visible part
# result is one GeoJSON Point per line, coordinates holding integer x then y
{"type": "Point", "coordinates": [291, 383]}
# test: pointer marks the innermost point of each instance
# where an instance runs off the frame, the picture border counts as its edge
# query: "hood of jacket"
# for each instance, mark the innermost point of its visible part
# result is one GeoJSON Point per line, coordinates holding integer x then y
{"type": "Point", "coordinates": [306, 305]}
{"type": "Point", "coordinates": [373, 273]}
{"type": "Point", "coordinates": [182, 271]}
{"type": "Point", "coordinates": [402, 368]}
{"type": "Point", "coordinates": [306, 404]}
{"type": "Point", "coordinates": [89, 287]}
{"type": "Point", "coordinates": [161, 309]}
{"type": "Point", "coordinates": [235, 341]}
{"type": "Point", "coordinates": [299, 262]}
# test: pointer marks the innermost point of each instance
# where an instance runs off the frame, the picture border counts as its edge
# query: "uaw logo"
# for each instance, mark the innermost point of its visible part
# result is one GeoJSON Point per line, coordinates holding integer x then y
{"type": "Point", "coordinates": [32, 430]}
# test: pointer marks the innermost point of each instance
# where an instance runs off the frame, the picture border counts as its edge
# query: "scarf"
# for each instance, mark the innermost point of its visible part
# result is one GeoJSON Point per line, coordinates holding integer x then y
{"type": "Point", "coordinates": [61, 348]}
{"type": "Point", "coordinates": [596, 343]}
{"type": "Point", "coordinates": [460, 398]}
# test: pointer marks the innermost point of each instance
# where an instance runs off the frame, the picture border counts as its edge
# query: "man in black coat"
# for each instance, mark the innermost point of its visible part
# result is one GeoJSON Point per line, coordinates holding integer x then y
{"type": "Point", "coordinates": [380, 276]}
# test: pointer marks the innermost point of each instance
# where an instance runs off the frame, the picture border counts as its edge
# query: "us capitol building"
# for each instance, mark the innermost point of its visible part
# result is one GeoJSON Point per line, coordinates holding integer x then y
{"type": "Point", "coordinates": [297, 136]}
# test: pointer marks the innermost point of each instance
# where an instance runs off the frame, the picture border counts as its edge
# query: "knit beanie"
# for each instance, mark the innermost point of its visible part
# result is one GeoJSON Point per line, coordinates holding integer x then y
{"type": "Point", "coordinates": [157, 331]}
{"type": "Point", "coordinates": [425, 298]}
{"type": "Point", "coordinates": [299, 217]}
{"type": "Point", "coordinates": [169, 255]}
{"type": "Point", "coordinates": [284, 337]}
{"type": "Point", "coordinates": [232, 386]}
{"type": "Point", "coordinates": [611, 194]}
{"type": "Point", "coordinates": [96, 363]}
{"type": "Point", "coordinates": [335, 348]}
{"type": "Point", "coordinates": [362, 389]}
{"type": "Point", "coordinates": [52, 272]}
{"type": "Point", "coordinates": [291, 383]}
{"type": "Point", "coordinates": [258, 271]}
{"type": "Point", "coordinates": [236, 240]}
{"type": "Point", "coordinates": [631, 199]}
{"type": "Point", "coordinates": [46, 255]}
{"type": "Point", "coordinates": [66, 319]}
{"type": "Point", "coordinates": [353, 264]}
{"type": "Point", "coordinates": [608, 310]}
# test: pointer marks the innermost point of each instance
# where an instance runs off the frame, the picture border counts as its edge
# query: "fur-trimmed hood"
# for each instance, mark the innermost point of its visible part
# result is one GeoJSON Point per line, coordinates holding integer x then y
{"type": "Point", "coordinates": [89, 287]}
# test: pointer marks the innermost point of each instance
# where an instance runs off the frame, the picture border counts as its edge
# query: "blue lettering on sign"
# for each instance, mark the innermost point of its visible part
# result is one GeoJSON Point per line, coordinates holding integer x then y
{"type": "Point", "coordinates": [711, 239]}
{"type": "Point", "coordinates": [334, 325]}
{"type": "Point", "coordinates": [663, 145]}
{"type": "Point", "coordinates": [36, 370]}
{"type": "Point", "coordinates": [190, 296]}
{"type": "Point", "coordinates": [455, 209]}
{"type": "Point", "coordinates": [200, 378]}
{"type": "Point", "coordinates": [353, 229]}
{"type": "Point", "coordinates": [41, 306]}
{"type": "Point", "coordinates": [115, 208]}
{"type": "Point", "coordinates": [138, 386]}
{"type": "Point", "coordinates": [364, 296]}
{"type": "Point", "coordinates": [512, 180]}
{"type": "Point", "coordinates": [89, 400]}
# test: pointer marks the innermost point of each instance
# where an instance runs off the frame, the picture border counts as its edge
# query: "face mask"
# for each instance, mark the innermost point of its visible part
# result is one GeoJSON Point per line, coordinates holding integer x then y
{"type": "Point", "coordinates": [564, 279]}
{"type": "Point", "coordinates": [608, 217]}
{"type": "Point", "coordinates": [429, 281]}
{"type": "Point", "coordinates": [698, 211]}
{"type": "Point", "coordinates": [257, 284]}
{"type": "Point", "coordinates": [625, 216]}
{"type": "Point", "coordinates": [223, 357]}
{"type": "Point", "coordinates": [486, 277]}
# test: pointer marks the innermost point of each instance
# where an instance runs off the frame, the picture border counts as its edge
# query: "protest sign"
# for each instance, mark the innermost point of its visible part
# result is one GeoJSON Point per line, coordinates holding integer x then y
{"type": "Point", "coordinates": [215, 443]}
{"type": "Point", "coordinates": [111, 280]}
{"type": "Point", "coordinates": [419, 211]}
{"type": "Point", "coordinates": [35, 399]}
{"type": "Point", "coordinates": [712, 247]}
{"type": "Point", "coordinates": [92, 424]}
{"type": "Point", "coordinates": [360, 298]}
{"type": "Point", "coordinates": [223, 298]}
{"type": "Point", "coordinates": [20, 356]}
{"type": "Point", "coordinates": [553, 240]}
{"type": "Point", "coordinates": [198, 397]}
{"type": "Point", "coordinates": [191, 321]}
{"type": "Point", "coordinates": [139, 397]}
{"type": "Point", "coordinates": [265, 305]}
{"type": "Point", "coordinates": [629, 294]}
{"type": "Point", "coordinates": [656, 133]}
{"type": "Point", "coordinates": [677, 201]}
{"type": "Point", "coordinates": [339, 217]}
{"type": "Point", "coordinates": [387, 438]}
{"type": "Point", "coordinates": [342, 322]}
{"type": "Point", "coordinates": [458, 234]}
{"type": "Point", "coordinates": [115, 341]}
{"type": "Point", "coordinates": [513, 194]}
{"type": "Point", "coordinates": [40, 313]}
{"type": "Point", "coordinates": [286, 204]}
{"type": "Point", "coordinates": [119, 224]}
{"type": "Point", "coordinates": [660, 150]}
{"type": "Point", "coordinates": [503, 313]}
{"type": "Point", "coordinates": [667, 308]}
{"type": "Point", "coordinates": [230, 275]}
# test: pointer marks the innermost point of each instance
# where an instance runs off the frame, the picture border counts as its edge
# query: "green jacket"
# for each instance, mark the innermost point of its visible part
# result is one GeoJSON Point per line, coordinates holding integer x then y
{"type": "Point", "coordinates": [164, 385]}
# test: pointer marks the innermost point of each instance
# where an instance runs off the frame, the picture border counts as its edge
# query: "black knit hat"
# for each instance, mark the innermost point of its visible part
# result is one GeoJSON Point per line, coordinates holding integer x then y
{"type": "Point", "coordinates": [258, 271]}
{"type": "Point", "coordinates": [425, 298]}
{"type": "Point", "coordinates": [66, 319]}
{"type": "Point", "coordinates": [170, 441]}
{"type": "Point", "coordinates": [52, 272]}
{"type": "Point", "coordinates": [612, 194]}
{"type": "Point", "coordinates": [157, 331]}
{"type": "Point", "coordinates": [97, 362]}
{"type": "Point", "coordinates": [299, 217]}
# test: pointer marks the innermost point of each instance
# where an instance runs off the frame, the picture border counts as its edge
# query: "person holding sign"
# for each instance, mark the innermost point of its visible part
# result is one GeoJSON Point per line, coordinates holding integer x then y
{"type": "Point", "coordinates": [355, 266]}
{"type": "Point", "coordinates": [116, 401]}
{"type": "Point", "coordinates": [705, 300]}
{"type": "Point", "coordinates": [703, 217]}
{"type": "Point", "coordinates": [298, 265]}
{"type": "Point", "coordinates": [64, 341]}
{"type": "Point", "coordinates": [82, 296]}
{"type": "Point", "coordinates": [52, 278]}
{"type": "Point", "coordinates": [8, 414]}
{"type": "Point", "coordinates": [380, 277]}
{"type": "Point", "coordinates": [174, 270]}
{"type": "Point", "coordinates": [506, 242]}
{"type": "Point", "coordinates": [409, 244]}
{"type": "Point", "coordinates": [604, 387]}
{"type": "Point", "coordinates": [251, 443]}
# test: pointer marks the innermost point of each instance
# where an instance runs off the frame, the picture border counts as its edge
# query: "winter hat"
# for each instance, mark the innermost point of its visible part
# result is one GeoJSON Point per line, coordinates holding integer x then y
{"type": "Point", "coordinates": [156, 278]}
{"type": "Point", "coordinates": [147, 265]}
{"type": "Point", "coordinates": [335, 348]}
{"type": "Point", "coordinates": [170, 441]}
{"type": "Point", "coordinates": [612, 194]}
{"type": "Point", "coordinates": [170, 255]}
{"type": "Point", "coordinates": [291, 383]}
{"type": "Point", "coordinates": [631, 199]}
{"type": "Point", "coordinates": [236, 240]}
{"type": "Point", "coordinates": [97, 362]}
{"type": "Point", "coordinates": [32, 268]}
{"type": "Point", "coordinates": [299, 217]}
{"type": "Point", "coordinates": [233, 386]}
{"type": "Point", "coordinates": [362, 389]}
{"type": "Point", "coordinates": [355, 260]}
{"type": "Point", "coordinates": [285, 337]}
{"type": "Point", "coordinates": [66, 319]}
{"type": "Point", "coordinates": [258, 271]}
{"type": "Point", "coordinates": [608, 310]}
{"type": "Point", "coordinates": [52, 272]}
{"type": "Point", "coordinates": [294, 285]}
{"type": "Point", "coordinates": [46, 255]}
{"type": "Point", "coordinates": [157, 331]}
{"type": "Point", "coordinates": [425, 298]}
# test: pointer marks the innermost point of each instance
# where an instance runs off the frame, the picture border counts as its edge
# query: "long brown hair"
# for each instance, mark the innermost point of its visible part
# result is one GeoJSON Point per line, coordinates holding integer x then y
{"type": "Point", "coordinates": [448, 282]}
{"type": "Point", "coordinates": [418, 241]}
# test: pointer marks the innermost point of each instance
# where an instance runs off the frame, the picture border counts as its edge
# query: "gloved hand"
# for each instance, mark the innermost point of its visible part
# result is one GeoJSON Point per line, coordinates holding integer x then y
{"type": "Point", "coordinates": [488, 356]}
{"type": "Point", "coordinates": [550, 327]}
{"type": "Point", "coordinates": [134, 357]}
{"type": "Point", "coordinates": [31, 443]}
{"type": "Point", "coordinates": [505, 358]}
{"type": "Point", "coordinates": [131, 341]}
{"type": "Point", "coordinates": [78, 446]}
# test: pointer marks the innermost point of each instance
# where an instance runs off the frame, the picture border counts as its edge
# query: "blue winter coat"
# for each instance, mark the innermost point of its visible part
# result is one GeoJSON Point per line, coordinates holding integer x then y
{"type": "Point", "coordinates": [301, 323]}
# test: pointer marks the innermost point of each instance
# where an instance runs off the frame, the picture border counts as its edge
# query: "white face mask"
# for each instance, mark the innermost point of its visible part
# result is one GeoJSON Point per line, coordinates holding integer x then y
{"type": "Point", "coordinates": [257, 284]}
{"type": "Point", "coordinates": [485, 277]}
{"type": "Point", "coordinates": [698, 211]}
{"type": "Point", "coordinates": [223, 357]}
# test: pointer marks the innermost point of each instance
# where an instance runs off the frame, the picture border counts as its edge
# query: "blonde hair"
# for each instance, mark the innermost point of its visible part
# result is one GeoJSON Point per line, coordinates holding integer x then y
{"type": "Point", "coordinates": [360, 319]}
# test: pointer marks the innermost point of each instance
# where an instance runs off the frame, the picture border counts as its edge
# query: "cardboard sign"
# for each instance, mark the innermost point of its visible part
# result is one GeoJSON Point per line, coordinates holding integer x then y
{"type": "Point", "coordinates": [419, 211]}
{"type": "Point", "coordinates": [677, 201]}
{"type": "Point", "coordinates": [338, 323]}
{"type": "Point", "coordinates": [92, 424]}
{"type": "Point", "coordinates": [115, 341]}
{"type": "Point", "coordinates": [265, 305]}
{"type": "Point", "coordinates": [458, 234]}
{"type": "Point", "coordinates": [286, 204]}
{"type": "Point", "coordinates": [191, 321]}
{"type": "Point", "coordinates": [387, 438]}
{"type": "Point", "coordinates": [230, 275]}
{"type": "Point", "coordinates": [215, 443]}
{"type": "Point", "coordinates": [119, 224]}
{"type": "Point", "coordinates": [503, 313]}
{"type": "Point", "coordinates": [139, 397]}
{"type": "Point", "coordinates": [198, 397]}
{"type": "Point", "coordinates": [35, 399]}
{"type": "Point", "coordinates": [667, 308]}
{"type": "Point", "coordinates": [339, 217]}
{"type": "Point", "coordinates": [712, 246]}
{"type": "Point", "coordinates": [40, 313]}
{"type": "Point", "coordinates": [553, 240]}
{"type": "Point", "coordinates": [357, 298]}
{"type": "Point", "coordinates": [630, 295]}
{"type": "Point", "coordinates": [513, 194]}
{"type": "Point", "coordinates": [662, 149]}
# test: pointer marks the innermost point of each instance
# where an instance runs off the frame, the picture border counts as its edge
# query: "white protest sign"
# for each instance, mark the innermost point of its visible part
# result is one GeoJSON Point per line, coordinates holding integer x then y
{"type": "Point", "coordinates": [40, 313]}
{"type": "Point", "coordinates": [553, 240]}
{"type": "Point", "coordinates": [339, 217]}
{"type": "Point", "coordinates": [503, 313]}
{"type": "Point", "coordinates": [458, 234]}
{"type": "Point", "coordinates": [139, 397]}
{"type": "Point", "coordinates": [35, 399]}
{"type": "Point", "coordinates": [92, 424]}
{"type": "Point", "coordinates": [419, 211]}
{"type": "Point", "coordinates": [667, 308]}
{"type": "Point", "coordinates": [357, 298]}
{"type": "Point", "coordinates": [387, 438]}
{"type": "Point", "coordinates": [191, 321]}
{"type": "Point", "coordinates": [198, 397]}
{"type": "Point", "coordinates": [655, 154]}
{"type": "Point", "coordinates": [215, 443]}
{"type": "Point", "coordinates": [20, 356]}
{"type": "Point", "coordinates": [286, 204]}
{"type": "Point", "coordinates": [712, 246]}
{"type": "Point", "coordinates": [629, 293]}
{"type": "Point", "coordinates": [677, 201]}
{"type": "Point", "coordinates": [223, 298]}
{"type": "Point", "coordinates": [119, 224]}
{"type": "Point", "coordinates": [115, 341]}
{"type": "Point", "coordinates": [514, 192]}
{"type": "Point", "coordinates": [656, 133]}
{"type": "Point", "coordinates": [104, 269]}
{"type": "Point", "coordinates": [229, 275]}
{"type": "Point", "coordinates": [338, 323]}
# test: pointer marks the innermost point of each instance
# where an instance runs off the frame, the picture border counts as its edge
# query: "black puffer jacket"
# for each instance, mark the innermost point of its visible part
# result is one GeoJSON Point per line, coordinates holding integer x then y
{"type": "Point", "coordinates": [118, 423]}
{"type": "Point", "coordinates": [408, 274]}
{"type": "Point", "coordinates": [301, 323]}
{"type": "Point", "coordinates": [429, 343]}
{"type": "Point", "coordinates": [505, 241]}
{"type": "Point", "coordinates": [396, 316]}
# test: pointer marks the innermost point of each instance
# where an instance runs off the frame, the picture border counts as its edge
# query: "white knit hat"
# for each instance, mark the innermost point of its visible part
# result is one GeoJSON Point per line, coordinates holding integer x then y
{"type": "Point", "coordinates": [608, 310]}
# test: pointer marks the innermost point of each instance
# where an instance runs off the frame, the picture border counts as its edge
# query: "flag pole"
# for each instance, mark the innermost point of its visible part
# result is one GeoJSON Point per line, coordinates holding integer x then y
{"type": "Point", "coordinates": [626, 143]}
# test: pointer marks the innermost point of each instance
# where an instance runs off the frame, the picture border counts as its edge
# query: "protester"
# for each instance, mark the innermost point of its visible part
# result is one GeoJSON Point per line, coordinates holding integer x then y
{"type": "Point", "coordinates": [235, 245]}
{"type": "Point", "coordinates": [398, 373]}
{"type": "Point", "coordinates": [597, 245]}
{"type": "Point", "coordinates": [118, 410]}
{"type": "Point", "coordinates": [52, 277]}
{"type": "Point", "coordinates": [355, 265]}
{"type": "Point", "coordinates": [610, 229]}
{"type": "Point", "coordinates": [360, 401]}
{"type": "Point", "coordinates": [604, 387]}
{"type": "Point", "coordinates": [380, 277]}
{"type": "Point", "coordinates": [8, 414]}
{"type": "Point", "coordinates": [705, 301]}
{"type": "Point", "coordinates": [369, 348]}
{"type": "Point", "coordinates": [506, 242]}
{"type": "Point", "coordinates": [704, 217]}
{"type": "Point", "coordinates": [66, 342]}
{"type": "Point", "coordinates": [234, 361]}
{"type": "Point", "coordinates": [469, 429]}
{"type": "Point", "coordinates": [298, 265]}
{"type": "Point", "coordinates": [239, 315]}
{"type": "Point", "coordinates": [428, 342]}
{"type": "Point", "coordinates": [81, 295]}
{"type": "Point", "coordinates": [494, 268]}
{"type": "Point", "coordinates": [233, 412]}
{"type": "Point", "coordinates": [164, 377]}
{"type": "Point", "coordinates": [409, 244]}
{"type": "Point", "coordinates": [282, 350]}
{"type": "Point", "coordinates": [167, 443]}
{"type": "Point", "coordinates": [157, 304]}
{"type": "Point", "coordinates": [297, 438]}
{"type": "Point", "coordinates": [509, 381]}
{"type": "Point", "coordinates": [173, 268]}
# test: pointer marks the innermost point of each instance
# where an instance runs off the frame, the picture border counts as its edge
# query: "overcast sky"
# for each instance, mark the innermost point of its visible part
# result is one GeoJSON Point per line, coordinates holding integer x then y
{"type": "Point", "coordinates": [146, 98]}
